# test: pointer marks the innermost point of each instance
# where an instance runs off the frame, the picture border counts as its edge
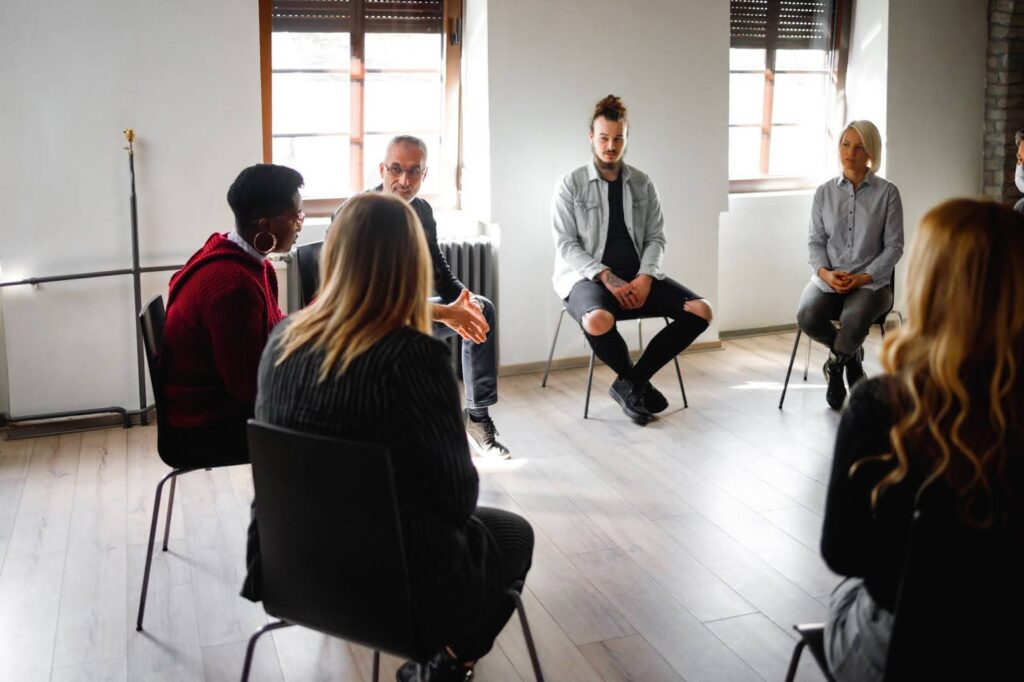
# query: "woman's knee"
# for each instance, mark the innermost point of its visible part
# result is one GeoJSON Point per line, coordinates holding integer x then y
{"type": "Point", "coordinates": [699, 307]}
{"type": "Point", "coordinates": [598, 322]}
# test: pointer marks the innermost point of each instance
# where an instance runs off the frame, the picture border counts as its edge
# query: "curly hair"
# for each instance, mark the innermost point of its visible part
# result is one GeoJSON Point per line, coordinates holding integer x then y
{"type": "Point", "coordinates": [958, 360]}
{"type": "Point", "coordinates": [611, 108]}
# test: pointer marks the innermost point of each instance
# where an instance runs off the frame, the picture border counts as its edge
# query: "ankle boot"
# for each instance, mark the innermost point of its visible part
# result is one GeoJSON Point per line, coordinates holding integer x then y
{"type": "Point", "coordinates": [835, 394]}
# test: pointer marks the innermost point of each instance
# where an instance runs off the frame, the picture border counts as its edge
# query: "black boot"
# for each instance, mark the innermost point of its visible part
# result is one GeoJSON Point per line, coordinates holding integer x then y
{"type": "Point", "coordinates": [854, 368]}
{"type": "Point", "coordinates": [835, 394]}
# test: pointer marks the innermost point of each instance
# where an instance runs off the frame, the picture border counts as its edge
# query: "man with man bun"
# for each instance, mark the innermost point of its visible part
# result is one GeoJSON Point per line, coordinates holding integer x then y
{"type": "Point", "coordinates": [609, 243]}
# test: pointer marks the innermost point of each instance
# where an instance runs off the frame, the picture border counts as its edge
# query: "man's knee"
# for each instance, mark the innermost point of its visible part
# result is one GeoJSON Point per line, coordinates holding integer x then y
{"type": "Point", "coordinates": [488, 308]}
{"type": "Point", "coordinates": [699, 307]}
{"type": "Point", "coordinates": [598, 322]}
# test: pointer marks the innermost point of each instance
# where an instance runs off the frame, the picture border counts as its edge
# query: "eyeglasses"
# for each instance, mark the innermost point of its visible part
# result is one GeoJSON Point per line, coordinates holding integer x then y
{"type": "Point", "coordinates": [414, 173]}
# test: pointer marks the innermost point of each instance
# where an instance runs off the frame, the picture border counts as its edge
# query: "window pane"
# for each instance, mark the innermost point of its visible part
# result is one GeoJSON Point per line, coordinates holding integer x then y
{"type": "Point", "coordinates": [745, 59]}
{"type": "Point", "coordinates": [801, 60]}
{"type": "Point", "coordinates": [404, 51]}
{"type": "Point", "coordinates": [797, 150]}
{"type": "Point", "coordinates": [410, 102]}
{"type": "Point", "coordinates": [746, 98]}
{"type": "Point", "coordinates": [373, 154]}
{"type": "Point", "coordinates": [310, 103]}
{"type": "Point", "coordinates": [799, 98]}
{"type": "Point", "coordinates": [323, 162]}
{"type": "Point", "coordinates": [309, 51]}
{"type": "Point", "coordinates": [744, 152]}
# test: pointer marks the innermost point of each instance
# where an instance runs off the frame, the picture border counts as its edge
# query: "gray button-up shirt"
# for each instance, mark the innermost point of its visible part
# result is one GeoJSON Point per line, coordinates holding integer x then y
{"type": "Point", "coordinates": [579, 218]}
{"type": "Point", "coordinates": [856, 231]}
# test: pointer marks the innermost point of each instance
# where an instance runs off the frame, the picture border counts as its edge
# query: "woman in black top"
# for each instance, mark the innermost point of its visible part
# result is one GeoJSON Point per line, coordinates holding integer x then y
{"type": "Point", "coordinates": [359, 363]}
{"type": "Point", "coordinates": [944, 429]}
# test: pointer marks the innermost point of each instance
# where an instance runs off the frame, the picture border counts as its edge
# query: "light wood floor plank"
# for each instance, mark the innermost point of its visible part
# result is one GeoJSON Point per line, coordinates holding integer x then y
{"type": "Point", "coordinates": [629, 659]}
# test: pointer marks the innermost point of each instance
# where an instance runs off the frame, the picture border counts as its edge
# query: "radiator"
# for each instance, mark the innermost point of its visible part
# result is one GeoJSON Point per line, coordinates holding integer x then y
{"type": "Point", "coordinates": [472, 261]}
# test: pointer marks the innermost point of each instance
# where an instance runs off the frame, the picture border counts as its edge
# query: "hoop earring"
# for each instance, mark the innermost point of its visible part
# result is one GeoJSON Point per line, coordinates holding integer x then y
{"type": "Point", "coordinates": [273, 242]}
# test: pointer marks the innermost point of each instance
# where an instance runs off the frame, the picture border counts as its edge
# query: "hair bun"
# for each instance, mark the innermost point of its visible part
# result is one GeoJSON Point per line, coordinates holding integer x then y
{"type": "Point", "coordinates": [611, 108]}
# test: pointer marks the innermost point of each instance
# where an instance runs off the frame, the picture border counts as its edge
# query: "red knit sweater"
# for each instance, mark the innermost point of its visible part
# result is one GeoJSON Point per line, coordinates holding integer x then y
{"type": "Point", "coordinates": [220, 310]}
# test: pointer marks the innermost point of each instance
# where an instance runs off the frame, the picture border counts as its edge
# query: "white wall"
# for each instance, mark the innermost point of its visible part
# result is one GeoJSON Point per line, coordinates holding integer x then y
{"type": "Point", "coordinates": [548, 63]}
{"type": "Point", "coordinates": [867, 69]}
{"type": "Point", "coordinates": [185, 76]}
{"type": "Point", "coordinates": [763, 259]}
{"type": "Point", "coordinates": [935, 103]}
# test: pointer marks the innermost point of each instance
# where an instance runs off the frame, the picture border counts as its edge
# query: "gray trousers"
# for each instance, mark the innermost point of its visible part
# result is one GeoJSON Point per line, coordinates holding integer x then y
{"type": "Point", "coordinates": [856, 312]}
{"type": "Point", "coordinates": [856, 634]}
{"type": "Point", "coordinates": [479, 360]}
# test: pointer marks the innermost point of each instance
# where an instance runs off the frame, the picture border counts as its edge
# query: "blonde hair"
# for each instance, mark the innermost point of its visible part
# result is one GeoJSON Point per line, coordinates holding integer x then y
{"type": "Point", "coordinates": [957, 360]}
{"type": "Point", "coordinates": [375, 274]}
{"type": "Point", "coordinates": [870, 138]}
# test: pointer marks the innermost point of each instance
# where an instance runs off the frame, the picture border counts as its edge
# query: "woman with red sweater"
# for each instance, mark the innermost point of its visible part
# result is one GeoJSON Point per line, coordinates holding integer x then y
{"type": "Point", "coordinates": [220, 309]}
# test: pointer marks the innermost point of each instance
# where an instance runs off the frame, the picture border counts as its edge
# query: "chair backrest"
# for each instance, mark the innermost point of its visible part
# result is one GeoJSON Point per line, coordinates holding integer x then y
{"type": "Point", "coordinates": [307, 260]}
{"type": "Point", "coordinates": [331, 549]}
{"type": "Point", "coordinates": [151, 322]}
{"type": "Point", "coordinates": [958, 610]}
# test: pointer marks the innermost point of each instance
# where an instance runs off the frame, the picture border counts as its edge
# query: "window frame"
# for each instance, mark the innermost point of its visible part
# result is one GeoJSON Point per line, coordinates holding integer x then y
{"type": "Point", "coordinates": [835, 72]}
{"type": "Point", "coordinates": [448, 164]}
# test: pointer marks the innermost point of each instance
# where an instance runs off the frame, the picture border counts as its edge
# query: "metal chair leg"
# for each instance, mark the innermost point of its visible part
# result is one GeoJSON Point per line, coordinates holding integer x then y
{"type": "Point", "coordinates": [807, 362]}
{"type": "Point", "coordinates": [170, 508]}
{"type": "Point", "coordinates": [152, 537]}
{"type": "Point", "coordinates": [530, 646]}
{"type": "Point", "coordinates": [640, 333]}
{"type": "Point", "coordinates": [590, 382]}
{"type": "Point", "coordinates": [795, 660]}
{"type": "Point", "coordinates": [551, 354]}
{"type": "Point", "coordinates": [679, 373]}
{"type": "Point", "coordinates": [789, 370]}
{"type": "Point", "coordinates": [376, 665]}
{"type": "Point", "coordinates": [249, 650]}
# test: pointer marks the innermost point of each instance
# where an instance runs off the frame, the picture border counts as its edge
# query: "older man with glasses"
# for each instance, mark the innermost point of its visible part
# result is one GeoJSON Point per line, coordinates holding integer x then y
{"type": "Point", "coordinates": [455, 309]}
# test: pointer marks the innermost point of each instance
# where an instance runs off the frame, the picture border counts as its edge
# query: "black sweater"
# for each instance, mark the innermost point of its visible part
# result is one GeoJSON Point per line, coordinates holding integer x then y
{"type": "Point", "coordinates": [402, 394]}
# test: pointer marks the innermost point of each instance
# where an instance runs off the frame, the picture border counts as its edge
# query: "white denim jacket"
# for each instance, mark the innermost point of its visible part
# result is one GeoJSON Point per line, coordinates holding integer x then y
{"type": "Point", "coordinates": [579, 221]}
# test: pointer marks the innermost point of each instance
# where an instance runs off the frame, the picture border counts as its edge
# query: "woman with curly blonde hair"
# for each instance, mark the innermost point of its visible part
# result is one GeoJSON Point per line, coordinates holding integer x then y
{"type": "Point", "coordinates": [944, 428]}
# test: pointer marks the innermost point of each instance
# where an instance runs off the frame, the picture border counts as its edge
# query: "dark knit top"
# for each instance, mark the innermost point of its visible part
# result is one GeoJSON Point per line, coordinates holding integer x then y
{"type": "Point", "coordinates": [872, 543]}
{"type": "Point", "coordinates": [402, 394]}
{"type": "Point", "coordinates": [220, 309]}
{"type": "Point", "coordinates": [619, 250]}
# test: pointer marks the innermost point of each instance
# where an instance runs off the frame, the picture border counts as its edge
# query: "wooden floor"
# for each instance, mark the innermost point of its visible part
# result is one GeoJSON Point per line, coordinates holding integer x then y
{"type": "Point", "coordinates": [683, 550]}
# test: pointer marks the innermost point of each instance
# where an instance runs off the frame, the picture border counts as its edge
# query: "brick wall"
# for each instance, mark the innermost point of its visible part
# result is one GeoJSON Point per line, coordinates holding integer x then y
{"type": "Point", "coordinates": [1004, 97]}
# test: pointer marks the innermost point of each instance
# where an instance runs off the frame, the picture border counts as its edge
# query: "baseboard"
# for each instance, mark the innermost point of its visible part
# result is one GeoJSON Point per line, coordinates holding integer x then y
{"type": "Point", "coordinates": [757, 331]}
{"type": "Point", "coordinates": [584, 360]}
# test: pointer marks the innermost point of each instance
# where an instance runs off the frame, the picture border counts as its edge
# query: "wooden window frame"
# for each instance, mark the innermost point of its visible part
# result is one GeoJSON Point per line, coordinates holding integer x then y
{"type": "Point", "coordinates": [835, 72]}
{"type": "Point", "coordinates": [451, 123]}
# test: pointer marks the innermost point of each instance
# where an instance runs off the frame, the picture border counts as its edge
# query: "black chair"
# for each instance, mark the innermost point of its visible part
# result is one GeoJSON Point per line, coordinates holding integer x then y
{"type": "Point", "coordinates": [880, 321]}
{"type": "Point", "coordinates": [307, 262]}
{"type": "Point", "coordinates": [331, 551]}
{"type": "Point", "coordinates": [958, 605]}
{"type": "Point", "coordinates": [169, 442]}
{"type": "Point", "coordinates": [627, 315]}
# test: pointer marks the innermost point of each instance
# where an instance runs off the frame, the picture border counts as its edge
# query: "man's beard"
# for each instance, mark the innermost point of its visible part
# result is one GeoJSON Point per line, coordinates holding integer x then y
{"type": "Point", "coordinates": [608, 165]}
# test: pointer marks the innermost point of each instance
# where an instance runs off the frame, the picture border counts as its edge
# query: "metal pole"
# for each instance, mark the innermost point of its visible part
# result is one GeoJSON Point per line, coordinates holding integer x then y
{"type": "Point", "coordinates": [136, 277]}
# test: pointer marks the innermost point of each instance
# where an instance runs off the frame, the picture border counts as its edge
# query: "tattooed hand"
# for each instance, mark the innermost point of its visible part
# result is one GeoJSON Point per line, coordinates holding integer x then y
{"type": "Point", "coordinates": [621, 290]}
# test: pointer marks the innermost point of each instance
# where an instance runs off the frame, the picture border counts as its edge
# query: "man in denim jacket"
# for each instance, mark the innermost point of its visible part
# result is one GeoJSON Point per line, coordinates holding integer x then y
{"type": "Point", "coordinates": [609, 243]}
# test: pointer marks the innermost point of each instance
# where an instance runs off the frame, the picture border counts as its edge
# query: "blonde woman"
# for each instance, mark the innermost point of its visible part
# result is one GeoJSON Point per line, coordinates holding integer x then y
{"type": "Point", "coordinates": [359, 363]}
{"type": "Point", "coordinates": [943, 429]}
{"type": "Point", "coordinates": [855, 240]}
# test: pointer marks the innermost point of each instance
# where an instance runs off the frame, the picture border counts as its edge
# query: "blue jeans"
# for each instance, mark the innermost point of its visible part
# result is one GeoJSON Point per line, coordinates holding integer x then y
{"type": "Point", "coordinates": [479, 360]}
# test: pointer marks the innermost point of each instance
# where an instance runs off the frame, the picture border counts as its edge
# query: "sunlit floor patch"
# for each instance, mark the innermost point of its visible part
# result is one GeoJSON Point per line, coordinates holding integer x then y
{"type": "Point", "coordinates": [776, 386]}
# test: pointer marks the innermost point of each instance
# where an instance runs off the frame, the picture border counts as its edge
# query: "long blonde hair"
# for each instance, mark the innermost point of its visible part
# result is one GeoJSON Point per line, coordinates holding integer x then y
{"type": "Point", "coordinates": [958, 358]}
{"type": "Point", "coordinates": [375, 278]}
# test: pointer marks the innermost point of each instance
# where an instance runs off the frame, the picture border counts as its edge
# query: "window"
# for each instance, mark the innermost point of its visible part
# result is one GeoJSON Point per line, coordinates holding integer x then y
{"type": "Point", "coordinates": [786, 64]}
{"type": "Point", "coordinates": [342, 77]}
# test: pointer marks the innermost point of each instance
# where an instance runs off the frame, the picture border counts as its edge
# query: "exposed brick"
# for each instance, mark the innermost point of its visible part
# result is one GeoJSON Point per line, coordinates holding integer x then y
{"type": "Point", "coordinates": [1002, 5]}
{"type": "Point", "coordinates": [998, 18]}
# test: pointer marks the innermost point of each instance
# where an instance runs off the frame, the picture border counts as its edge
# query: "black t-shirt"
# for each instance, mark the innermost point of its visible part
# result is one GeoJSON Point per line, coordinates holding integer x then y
{"type": "Point", "coordinates": [619, 251]}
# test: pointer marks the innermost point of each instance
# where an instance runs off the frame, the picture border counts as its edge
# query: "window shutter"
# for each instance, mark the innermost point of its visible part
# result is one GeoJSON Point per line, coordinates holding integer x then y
{"type": "Point", "coordinates": [782, 24]}
{"type": "Point", "coordinates": [380, 16]}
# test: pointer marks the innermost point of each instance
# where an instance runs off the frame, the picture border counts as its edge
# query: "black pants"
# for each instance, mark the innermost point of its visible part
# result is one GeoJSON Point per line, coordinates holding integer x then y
{"type": "Point", "coordinates": [665, 300]}
{"type": "Point", "coordinates": [513, 536]}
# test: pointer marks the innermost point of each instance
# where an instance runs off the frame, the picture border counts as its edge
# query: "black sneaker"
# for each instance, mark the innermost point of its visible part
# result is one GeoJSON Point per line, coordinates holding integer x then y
{"type": "Point", "coordinates": [440, 668]}
{"type": "Point", "coordinates": [835, 394]}
{"type": "Point", "coordinates": [483, 436]}
{"type": "Point", "coordinates": [654, 400]}
{"type": "Point", "coordinates": [854, 368]}
{"type": "Point", "coordinates": [631, 400]}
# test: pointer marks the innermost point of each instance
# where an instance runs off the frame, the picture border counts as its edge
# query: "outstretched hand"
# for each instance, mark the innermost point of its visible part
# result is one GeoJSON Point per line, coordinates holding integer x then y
{"type": "Point", "coordinates": [465, 316]}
